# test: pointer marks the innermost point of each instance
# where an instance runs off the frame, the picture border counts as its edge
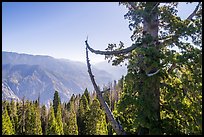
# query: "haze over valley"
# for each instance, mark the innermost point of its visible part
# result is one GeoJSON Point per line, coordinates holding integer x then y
{"type": "Point", "coordinates": [35, 75]}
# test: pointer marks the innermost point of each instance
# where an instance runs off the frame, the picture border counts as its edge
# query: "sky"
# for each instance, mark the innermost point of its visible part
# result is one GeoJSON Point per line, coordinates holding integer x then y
{"type": "Point", "coordinates": [59, 29]}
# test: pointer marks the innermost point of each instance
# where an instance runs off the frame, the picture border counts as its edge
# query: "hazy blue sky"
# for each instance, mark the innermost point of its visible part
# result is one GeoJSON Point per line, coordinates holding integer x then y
{"type": "Point", "coordinates": [59, 29]}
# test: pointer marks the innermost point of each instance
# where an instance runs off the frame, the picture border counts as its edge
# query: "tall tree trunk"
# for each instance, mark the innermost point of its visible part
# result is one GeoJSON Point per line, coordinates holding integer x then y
{"type": "Point", "coordinates": [151, 85]}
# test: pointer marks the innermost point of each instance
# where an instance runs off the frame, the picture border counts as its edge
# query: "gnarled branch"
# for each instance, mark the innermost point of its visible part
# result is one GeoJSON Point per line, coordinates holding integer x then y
{"type": "Point", "coordinates": [193, 13]}
{"type": "Point", "coordinates": [116, 126]}
{"type": "Point", "coordinates": [115, 52]}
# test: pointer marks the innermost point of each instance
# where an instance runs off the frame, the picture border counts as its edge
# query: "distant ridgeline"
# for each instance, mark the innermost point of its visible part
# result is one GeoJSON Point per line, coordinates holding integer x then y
{"type": "Point", "coordinates": [33, 76]}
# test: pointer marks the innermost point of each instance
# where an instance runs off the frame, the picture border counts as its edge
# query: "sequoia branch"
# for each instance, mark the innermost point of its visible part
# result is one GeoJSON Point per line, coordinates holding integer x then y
{"type": "Point", "coordinates": [115, 125]}
{"type": "Point", "coordinates": [115, 52]}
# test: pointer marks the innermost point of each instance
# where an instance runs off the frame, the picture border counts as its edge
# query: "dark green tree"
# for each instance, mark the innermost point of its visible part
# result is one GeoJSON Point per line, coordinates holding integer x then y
{"type": "Point", "coordinates": [44, 120]}
{"type": "Point", "coordinates": [56, 102]}
{"type": "Point", "coordinates": [83, 108]}
{"type": "Point", "coordinates": [87, 94]}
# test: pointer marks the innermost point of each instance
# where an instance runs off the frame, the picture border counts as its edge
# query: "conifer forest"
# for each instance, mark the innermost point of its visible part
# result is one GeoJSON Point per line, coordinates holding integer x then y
{"type": "Point", "coordinates": [160, 95]}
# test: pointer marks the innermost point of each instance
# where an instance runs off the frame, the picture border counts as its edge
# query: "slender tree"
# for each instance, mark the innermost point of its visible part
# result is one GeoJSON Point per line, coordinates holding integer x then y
{"type": "Point", "coordinates": [59, 120]}
{"type": "Point", "coordinates": [12, 112]}
{"type": "Point", "coordinates": [21, 110]}
{"type": "Point", "coordinates": [56, 102]}
{"type": "Point", "coordinates": [87, 94]}
{"type": "Point", "coordinates": [44, 120]}
{"type": "Point", "coordinates": [83, 108]}
{"type": "Point", "coordinates": [38, 126]}
{"type": "Point", "coordinates": [71, 102]}
{"type": "Point", "coordinates": [52, 128]}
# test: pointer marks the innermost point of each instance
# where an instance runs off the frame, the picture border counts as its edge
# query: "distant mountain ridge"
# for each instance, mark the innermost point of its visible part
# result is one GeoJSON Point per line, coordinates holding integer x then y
{"type": "Point", "coordinates": [35, 75]}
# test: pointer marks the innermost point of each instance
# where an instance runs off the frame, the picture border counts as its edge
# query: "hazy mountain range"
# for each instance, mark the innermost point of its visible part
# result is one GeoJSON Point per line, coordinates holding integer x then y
{"type": "Point", "coordinates": [35, 75]}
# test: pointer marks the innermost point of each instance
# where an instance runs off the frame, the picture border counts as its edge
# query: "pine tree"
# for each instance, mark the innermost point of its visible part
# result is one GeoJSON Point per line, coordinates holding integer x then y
{"type": "Point", "coordinates": [30, 128]}
{"type": "Point", "coordinates": [21, 110]}
{"type": "Point", "coordinates": [83, 108]}
{"type": "Point", "coordinates": [44, 120]}
{"type": "Point", "coordinates": [58, 112]}
{"type": "Point", "coordinates": [38, 127]}
{"type": "Point", "coordinates": [7, 127]}
{"type": "Point", "coordinates": [95, 120]}
{"type": "Point", "coordinates": [59, 120]}
{"type": "Point", "coordinates": [19, 116]}
{"type": "Point", "coordinates": [52, 128]}
{"type": "Point", "coordinates": [86, 93]}
{"type": "Point", "coordinates": [12, 112]}
{"type": "Point", "coordinates": [70, 125]}
{"type": "Point", "coordinates": [56, 102]}
{"type": "Point", "coordinates": [71, 102]}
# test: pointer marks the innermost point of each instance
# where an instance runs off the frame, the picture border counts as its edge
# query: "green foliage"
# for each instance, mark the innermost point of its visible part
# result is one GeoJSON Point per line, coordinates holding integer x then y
{"type": "Point", "coordinates": [95, 120]}
{"type": "Point", "coordinates": [29, 119]}
{"type": "Point", "coordinates": [71, 104]}
{"type": "Point", "coordinates": [86, 93]}
{"type": "Point", "coordinates": [7, 127]}
{"type": "Point", "coordinates": [13, 114]}
{"type": "Point", "coordinates": [52, 128]}
{"type": "Point", "coordinates": [70, 119]}
{"type": "Point", "coordinates": [44, 119]}
{"type": "Point", "coordinates": [37, 120]}
{"type": "Point", "coordinates": [59, 120]}
{"type": "Point", "coordinates": [56, 102]}
{"type": "Point", "coordinates": [83, 108]}
{"type": "Point", "coordinates": [32, 119]}
{"type": "Point", "coordinates": [169, 102]}
{"type": "Point", "coordinates": [21, 110]}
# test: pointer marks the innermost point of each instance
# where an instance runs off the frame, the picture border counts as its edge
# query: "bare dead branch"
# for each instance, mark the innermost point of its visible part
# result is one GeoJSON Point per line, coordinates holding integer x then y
{"type": "Point", "coordinates": [193, 13]}
{"type": "Point", "coordinates": [116, 126]}
{"type": "Point", "coordinates": [116, 52]}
